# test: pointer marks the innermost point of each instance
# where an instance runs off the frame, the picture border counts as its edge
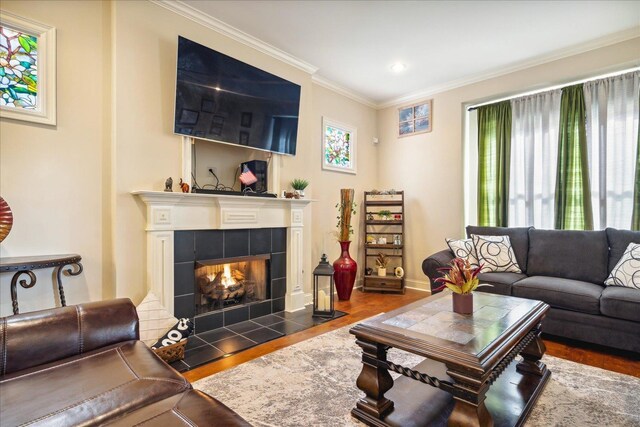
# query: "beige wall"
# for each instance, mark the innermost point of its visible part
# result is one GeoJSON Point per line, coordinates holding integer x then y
{"type": "Point", "coordinates": [430, 166]}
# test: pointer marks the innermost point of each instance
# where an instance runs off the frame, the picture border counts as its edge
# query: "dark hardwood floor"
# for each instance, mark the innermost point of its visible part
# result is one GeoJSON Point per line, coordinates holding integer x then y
{"type": "Point", "coordinates": [364, 305]}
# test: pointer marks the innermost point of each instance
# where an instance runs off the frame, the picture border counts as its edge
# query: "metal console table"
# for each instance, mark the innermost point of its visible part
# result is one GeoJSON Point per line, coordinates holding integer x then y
{"type": "Point", "coordinates": [26, 265]}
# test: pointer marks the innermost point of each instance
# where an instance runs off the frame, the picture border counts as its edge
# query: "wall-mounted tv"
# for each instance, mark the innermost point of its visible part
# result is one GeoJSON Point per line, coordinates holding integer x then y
{"type": "Point", "coordinates": [221, 99]}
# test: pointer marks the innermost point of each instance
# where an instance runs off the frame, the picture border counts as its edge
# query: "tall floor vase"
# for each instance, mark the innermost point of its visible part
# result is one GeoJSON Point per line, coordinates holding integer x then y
{"type": "Point", "coordinates": [345, 269]}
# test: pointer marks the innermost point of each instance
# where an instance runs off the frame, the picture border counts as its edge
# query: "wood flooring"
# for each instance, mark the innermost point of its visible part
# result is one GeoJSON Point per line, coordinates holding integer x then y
{"type": "Point", "coordinates": [364, 305]}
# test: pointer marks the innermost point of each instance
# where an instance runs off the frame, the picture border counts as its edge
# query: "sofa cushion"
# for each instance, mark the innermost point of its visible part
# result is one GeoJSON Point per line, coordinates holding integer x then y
{"type": "Point", "coordinates": [519, 237]}
{"type": "Point", "coordinates": [193, 408]}
{"type": "Point", "coordinates": [627, 271]}
{"type": "Point", "coordinates": [576, 255]}
{"type": "Point", "coordinates": [560, 293]}
{"type": "Point", "coordinates": [500, 282]}
{"type": "Point", "coordinates": [88, 389]}
{"type": "Point", "coordinates": [495, 254]}
{"type": "Point", "coordinates": [621, 303]}
{"type": "Point", "coordinates": [463, 248]}
{"type": "Point", "coordinates": [618, 242]}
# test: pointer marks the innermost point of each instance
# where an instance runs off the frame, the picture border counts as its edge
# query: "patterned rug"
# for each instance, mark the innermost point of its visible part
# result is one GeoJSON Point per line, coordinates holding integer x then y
{"type": "Point", "coordinates": [312, 383]}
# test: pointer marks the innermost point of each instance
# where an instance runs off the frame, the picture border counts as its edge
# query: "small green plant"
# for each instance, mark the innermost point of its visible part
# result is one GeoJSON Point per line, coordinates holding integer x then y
{"type": "Point", "coordinates": [299, 184]}
{"type": "Point", "coordinates": [385, 214]}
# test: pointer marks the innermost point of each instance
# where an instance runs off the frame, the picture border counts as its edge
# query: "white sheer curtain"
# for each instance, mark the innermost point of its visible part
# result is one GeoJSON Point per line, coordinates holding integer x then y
{"type": "Point", "coordinates": [534, 156]}
{"type": "Point", "coordinates": [612, 138]}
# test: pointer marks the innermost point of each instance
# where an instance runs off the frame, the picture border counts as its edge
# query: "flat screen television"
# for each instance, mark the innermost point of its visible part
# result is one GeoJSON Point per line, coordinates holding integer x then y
{"type": "Point", "coordinates": [221, 99]}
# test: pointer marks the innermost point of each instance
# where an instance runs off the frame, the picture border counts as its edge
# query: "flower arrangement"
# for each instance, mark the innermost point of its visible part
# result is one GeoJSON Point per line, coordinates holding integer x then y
{"type": "Point", "coordinates": [460, 277]}
{"type": "Point", "coordinates": [346, 209]}
{"type": "Point", "coordinates": [299, 184]}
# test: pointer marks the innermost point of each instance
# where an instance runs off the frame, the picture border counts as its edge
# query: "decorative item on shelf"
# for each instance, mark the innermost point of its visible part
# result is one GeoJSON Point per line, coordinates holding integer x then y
{"type": "Point", "coordinates": [371, 240]}
{"type": "Point", "coordinates": [323, 288]}
{"type": "Point", "coordinates": [184, 187]}
{"type": "Point", "coordinates": [299, 185]}
{"type": "Point", "coordinates": [345, 267]}
{"type": "Point", "coordinates": [399, 272]}
{"type": "Point", "coordinates": [375, 192]}
{"type": "Point", "coordinates": [368, 271]}
{"type": "Point", "coordinates": [291, 195]}
{"type": "Point", "coordinates": [370, 216]}
{"type": "Point", "coordinates": [392, 192]}
{"type": "Point", "coordinates": [462, 279]}
{"type": "Point", "coordinates": [397, 216]}
{"type": "Point", "coordinates": [382, 240]}
{"type": "Point", "coordinates": [382, 261]}
{"type": "Point", "coordinates": [168, 185]}
{"type": "Point", "coordinates": [397, 240]}
{"type": "Point", "coordinates": [384, 214]}
{"type": "Point", "coordinates": [6, 219]}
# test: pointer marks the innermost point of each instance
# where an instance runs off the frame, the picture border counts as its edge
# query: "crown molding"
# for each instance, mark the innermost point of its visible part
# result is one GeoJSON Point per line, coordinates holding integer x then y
{"type": "Point", "coordinates": [328, 84]}
{"type": "Point", "coordinates": [543, 59]}
{"type": "Point", "coordinates": [209, 21]}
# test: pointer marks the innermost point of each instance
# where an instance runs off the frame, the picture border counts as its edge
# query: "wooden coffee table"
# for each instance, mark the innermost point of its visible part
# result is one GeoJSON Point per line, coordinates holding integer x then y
{"type": "Point", "coordinates": [470, 376]}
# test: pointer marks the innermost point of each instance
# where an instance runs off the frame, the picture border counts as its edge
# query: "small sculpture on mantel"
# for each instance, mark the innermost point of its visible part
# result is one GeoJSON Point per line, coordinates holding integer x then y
{"type": "Point", "coordinates": [184, 186]}
{"type": "Point", "coordinates": [168, 185]}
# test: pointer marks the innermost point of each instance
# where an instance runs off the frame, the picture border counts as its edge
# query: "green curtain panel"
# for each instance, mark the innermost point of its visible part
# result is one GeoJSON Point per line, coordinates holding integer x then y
{"type": "Point", "coordinates": [635, 218]}
{"type": "Point", "coordinates": [494, 151]}
{"type": "Point", "coordinates": [573, 195]}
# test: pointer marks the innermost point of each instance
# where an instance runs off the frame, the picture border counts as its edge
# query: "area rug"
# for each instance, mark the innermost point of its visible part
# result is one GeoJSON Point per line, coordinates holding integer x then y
{"type": "Point", "coordinates": [312, 383]}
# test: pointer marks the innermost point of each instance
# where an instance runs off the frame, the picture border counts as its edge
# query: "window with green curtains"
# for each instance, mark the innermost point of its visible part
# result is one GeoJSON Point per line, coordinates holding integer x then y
{"type": "Point", "coordinates": [573, 201]}
{"type": "Point", "coordinates": [494, 152]}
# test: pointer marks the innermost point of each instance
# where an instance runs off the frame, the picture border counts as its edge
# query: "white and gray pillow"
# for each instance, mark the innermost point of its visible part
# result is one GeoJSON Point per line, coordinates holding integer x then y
{"type": "Point", "coordinates": [496, 253]}
{"type": "Point", "coordinates": [627, 270]}
{"type": "Point", "coordinates": [463, 248]}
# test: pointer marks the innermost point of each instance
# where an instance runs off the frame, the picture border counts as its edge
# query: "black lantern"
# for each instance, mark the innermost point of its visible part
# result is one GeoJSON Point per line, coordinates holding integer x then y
{"type": "Point", "coordinates": [323, 289]}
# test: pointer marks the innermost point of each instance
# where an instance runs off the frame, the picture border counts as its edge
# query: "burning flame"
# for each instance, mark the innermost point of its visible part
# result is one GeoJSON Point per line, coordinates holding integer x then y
{"type": "Point", "coordinates": [227, 279]}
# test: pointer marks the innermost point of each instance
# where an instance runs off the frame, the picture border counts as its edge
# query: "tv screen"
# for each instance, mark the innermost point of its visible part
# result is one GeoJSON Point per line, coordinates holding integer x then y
{"type": "Point", "coordinates": [222, 99]}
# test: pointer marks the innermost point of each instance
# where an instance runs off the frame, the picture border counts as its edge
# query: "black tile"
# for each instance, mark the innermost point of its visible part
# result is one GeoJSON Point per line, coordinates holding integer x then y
{"type": "Point", "coordinates": [194, 342]}
{"type": "Point", "coordinates": [183, 246]}
{"type": "Point", "coordinates": [217, 335]}
{"type": "Point", "coordinates": [278, 239]}
{"type": "Point", "coordinates": [236, 243]}
{"type": "Point", "coordinates": [278, 288]}
{"type": "Point", "coordinates": [235, 315]}
{"type": "Point", "coordinates": [179, 366]}
{"type": "Point", "coordinates": [269, 320]}
{"type": "Point", "coordinates": [233, 344]}
{"type": "Point", "coordinates": [242, 327]}
{"type": "Point", "coordinates": [183, 306]}
{"type": "Point", "coordinates": [288, 327]}
{"type": "Point", "coordinates": [184, 278]}
{"type": "Point", "coordinates": [260, 241]}
{"type": "Point", "coordinates": [277, 304]}
{"type": "Point", "coordinates": [207, 322]}
{"type": "Point", "coordinates": [208, 244]}
{"type": "Point", "coordinates": [278, 266]}
{"type": "Point", "coordinates": [262, 335]}
{"type": "Point", "coordinates": [201, 355]}
{"type": "Point", "coordinates": [259, 309]}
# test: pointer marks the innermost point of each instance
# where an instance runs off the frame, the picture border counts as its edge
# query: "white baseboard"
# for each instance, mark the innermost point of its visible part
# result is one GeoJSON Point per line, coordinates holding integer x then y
{"type": "Point", "coordinates": [420, 285]}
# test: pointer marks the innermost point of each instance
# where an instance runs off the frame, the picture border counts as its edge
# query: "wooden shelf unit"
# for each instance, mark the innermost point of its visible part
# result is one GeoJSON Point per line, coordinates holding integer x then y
{"type": "Point", "coordinates": [377, 227]}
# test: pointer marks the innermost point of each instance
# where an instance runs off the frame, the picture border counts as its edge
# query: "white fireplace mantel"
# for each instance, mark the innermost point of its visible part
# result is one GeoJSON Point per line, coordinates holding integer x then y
{"type": "Point", "coordinates": [168, 212]}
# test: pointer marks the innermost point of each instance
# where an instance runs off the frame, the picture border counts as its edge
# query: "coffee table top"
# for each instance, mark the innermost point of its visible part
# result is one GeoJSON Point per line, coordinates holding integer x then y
{"type": "Point", "coordinates": [430, 328]}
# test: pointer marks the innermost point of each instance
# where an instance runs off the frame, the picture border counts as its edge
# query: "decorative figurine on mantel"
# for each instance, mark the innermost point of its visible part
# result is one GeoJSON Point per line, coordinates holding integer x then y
{"type": "Point", "coordinates": [184, 186]}
{"type": "Point", "coordinates": [168, 185]}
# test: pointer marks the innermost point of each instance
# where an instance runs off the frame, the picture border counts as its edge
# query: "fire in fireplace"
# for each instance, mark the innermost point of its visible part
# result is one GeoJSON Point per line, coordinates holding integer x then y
{"type": "Point", "coordinates": [225, 282]}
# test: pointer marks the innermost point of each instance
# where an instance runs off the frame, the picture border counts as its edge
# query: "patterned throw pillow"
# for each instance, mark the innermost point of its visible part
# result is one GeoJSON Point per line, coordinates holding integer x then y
{"type": "Point", "coordinates": [179, 332]}
{"type": "Point", "coordinates": [496, 253]}
{"type": "Point", "coordinates": [627, 270]}
{"type": "Point", "coordinates": [154, 319]}
{"type": "Point", "coordinates": [464, 249]}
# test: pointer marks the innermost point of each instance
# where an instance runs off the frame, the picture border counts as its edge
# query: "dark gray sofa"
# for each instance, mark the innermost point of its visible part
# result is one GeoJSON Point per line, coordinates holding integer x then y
{"type": "Point", "coordinates": [567, 270]}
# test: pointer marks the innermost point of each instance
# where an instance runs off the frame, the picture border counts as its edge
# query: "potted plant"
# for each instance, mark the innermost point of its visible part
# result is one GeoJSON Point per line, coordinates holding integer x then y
{"type": "Point", "coordinates": [385, 214]}
{"type": "Point", "coordinates": [299, 185]}
{"type": "Point", "coordinates": [462, 279]}
{"type": "Point", "coordinates": [345, 268]}
{"type": "Point", "coordinates": [382, 261]}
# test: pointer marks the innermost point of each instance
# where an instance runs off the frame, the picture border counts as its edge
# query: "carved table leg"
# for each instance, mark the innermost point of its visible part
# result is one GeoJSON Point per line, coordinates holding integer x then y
{"type": "Point", "coordinates": [63, 301]}
{"type": "Point", "coordinates": [531, 355]}
{"type": "Point", "coordinates": [469, 393]}
{"type": "Point", "coordinates": [23, 283]}
{"type": "Point", "coordinates": [374, 380]}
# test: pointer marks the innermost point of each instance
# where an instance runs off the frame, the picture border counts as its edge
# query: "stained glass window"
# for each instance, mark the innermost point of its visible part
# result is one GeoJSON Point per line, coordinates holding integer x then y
{"type": "Point", "coordinates": [338, 147]}
{"type": "Point", "coordinates": [18, 69]}
{"type": "Point", "coordinates": [414, 119]}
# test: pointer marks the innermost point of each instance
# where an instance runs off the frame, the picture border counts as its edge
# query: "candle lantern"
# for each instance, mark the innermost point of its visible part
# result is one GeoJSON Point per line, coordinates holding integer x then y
{"type": "Point", "coordinates": [323, 288]}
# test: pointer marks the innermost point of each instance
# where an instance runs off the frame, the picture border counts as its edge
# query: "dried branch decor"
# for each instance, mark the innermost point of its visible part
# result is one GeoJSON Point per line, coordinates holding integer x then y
{"type": "Point", "coordinates": [346, 209]}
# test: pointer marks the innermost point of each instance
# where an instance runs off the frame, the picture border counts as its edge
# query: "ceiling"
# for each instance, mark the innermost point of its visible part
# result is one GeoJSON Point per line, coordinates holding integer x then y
{"type": "Point", "coordinates": [444, 44]}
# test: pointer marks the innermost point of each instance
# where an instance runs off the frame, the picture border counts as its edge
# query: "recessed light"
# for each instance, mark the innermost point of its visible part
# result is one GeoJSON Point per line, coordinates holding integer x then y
{"type": "Point", "coordinates": [398, 67]}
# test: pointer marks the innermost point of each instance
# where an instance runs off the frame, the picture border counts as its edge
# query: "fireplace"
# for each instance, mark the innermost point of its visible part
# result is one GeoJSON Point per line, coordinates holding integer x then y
{"type": "Point", "coordinates": [226, 282]}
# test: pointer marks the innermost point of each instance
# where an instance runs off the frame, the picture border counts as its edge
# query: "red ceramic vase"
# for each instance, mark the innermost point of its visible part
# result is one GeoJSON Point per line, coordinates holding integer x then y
{"type": "Point", "coordinates": [344, 275]}
{"type": "Point", "coordinates": [463, 303]}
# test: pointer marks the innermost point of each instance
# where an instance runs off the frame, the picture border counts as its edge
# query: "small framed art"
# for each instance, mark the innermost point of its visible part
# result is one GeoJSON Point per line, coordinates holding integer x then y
{"type": "Point", "coordinates": [338, 146]}
{"type": "Point", "coordinates": [416, 118]}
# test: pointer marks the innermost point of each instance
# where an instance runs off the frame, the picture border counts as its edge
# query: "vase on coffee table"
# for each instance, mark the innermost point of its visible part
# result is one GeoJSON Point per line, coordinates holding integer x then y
{"type": "Point", "coordinates": [463, 303]}
{"type": "Point", "coordinates": [345, 269]}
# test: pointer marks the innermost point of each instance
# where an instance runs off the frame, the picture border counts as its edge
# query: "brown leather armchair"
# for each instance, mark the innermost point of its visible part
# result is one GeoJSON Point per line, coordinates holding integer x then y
{"type": "Point", "coordinates": [84, 365]}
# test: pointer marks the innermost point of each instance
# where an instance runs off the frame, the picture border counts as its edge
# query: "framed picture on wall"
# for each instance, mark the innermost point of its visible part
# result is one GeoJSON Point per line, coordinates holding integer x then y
{"type": "Point", "coordinates": [338, 146]}
{"type": "Point", "coordinates": [28, 63]}
{"type": "Point", "coordinates": [416, 118]}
